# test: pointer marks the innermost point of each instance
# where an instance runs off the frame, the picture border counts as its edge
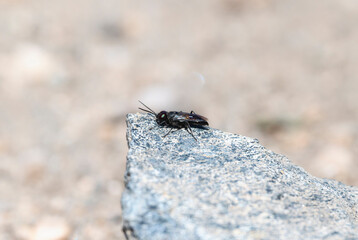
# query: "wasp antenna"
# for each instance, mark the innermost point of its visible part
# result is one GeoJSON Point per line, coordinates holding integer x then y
{"type": "Point", "coordinates": [145, 110]}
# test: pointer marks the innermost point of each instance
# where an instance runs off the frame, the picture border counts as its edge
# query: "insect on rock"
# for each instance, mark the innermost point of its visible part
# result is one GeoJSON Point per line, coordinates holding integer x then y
{"type": "Point", "coordinates": [178, 120]}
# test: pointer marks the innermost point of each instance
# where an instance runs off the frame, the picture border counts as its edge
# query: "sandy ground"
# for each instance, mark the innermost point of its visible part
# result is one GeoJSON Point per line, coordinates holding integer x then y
{"type": "Point", "coordinates": [282, 71]}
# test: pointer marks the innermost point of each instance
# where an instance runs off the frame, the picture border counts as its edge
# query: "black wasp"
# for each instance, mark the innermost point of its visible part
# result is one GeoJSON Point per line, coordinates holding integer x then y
{"type": "Point", "coordinates": [178, 120]}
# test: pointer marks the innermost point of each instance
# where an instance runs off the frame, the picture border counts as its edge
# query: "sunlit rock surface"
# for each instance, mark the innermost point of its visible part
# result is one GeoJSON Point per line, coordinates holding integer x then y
{"type": "Point", "coordinates": [225, 186]}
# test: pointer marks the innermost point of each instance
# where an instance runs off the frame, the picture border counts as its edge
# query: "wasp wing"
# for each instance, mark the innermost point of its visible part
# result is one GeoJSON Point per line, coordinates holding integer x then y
{"type": "Point", "coordinates": [191, 118]}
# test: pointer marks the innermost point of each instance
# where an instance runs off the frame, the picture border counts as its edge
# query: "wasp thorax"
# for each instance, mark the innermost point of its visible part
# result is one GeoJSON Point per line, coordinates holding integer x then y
{"type": "Point", "coordinates": [162, 118]}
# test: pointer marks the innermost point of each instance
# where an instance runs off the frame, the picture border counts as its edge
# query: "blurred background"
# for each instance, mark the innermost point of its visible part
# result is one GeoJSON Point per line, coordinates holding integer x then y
{"type": "Point", "coordinates": [282, 71]}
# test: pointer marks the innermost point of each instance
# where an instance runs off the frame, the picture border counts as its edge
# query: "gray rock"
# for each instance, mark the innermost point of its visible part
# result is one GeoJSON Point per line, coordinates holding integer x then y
{"type": "Point", "coordinates": [225, 186]}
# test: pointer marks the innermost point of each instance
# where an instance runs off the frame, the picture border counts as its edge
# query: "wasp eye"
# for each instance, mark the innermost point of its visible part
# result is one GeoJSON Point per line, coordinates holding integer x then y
{"type": "Point", "coordinates": [163, 115]}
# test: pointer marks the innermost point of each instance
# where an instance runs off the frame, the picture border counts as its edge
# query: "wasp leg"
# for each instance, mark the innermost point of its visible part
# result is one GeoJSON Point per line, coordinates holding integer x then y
{"type": "Point", "coordinates": [190, 131]}
{"type": "Point", "coordinates": [170, 132]}
{"type": "Point", "coordinates": [192, 112]}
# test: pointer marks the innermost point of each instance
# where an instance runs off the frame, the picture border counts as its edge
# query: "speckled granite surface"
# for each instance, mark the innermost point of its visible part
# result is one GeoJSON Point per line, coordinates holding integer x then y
{"type": "Point", "coordinates": [225, 186]}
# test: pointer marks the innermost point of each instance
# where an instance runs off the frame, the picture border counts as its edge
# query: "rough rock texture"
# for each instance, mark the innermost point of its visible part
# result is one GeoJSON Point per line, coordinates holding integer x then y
{"type": "Point", "coordinates": [225, 186]}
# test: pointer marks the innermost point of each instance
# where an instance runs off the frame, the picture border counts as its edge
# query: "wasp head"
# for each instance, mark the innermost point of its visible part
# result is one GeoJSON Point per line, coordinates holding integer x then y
{"type": "Point", "coordinates": [162, 118]}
